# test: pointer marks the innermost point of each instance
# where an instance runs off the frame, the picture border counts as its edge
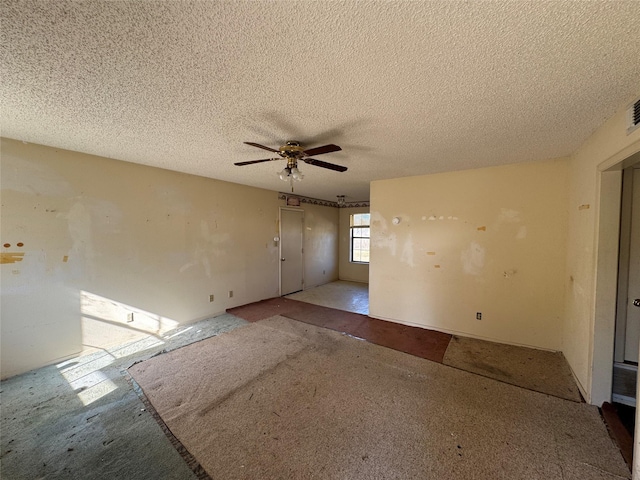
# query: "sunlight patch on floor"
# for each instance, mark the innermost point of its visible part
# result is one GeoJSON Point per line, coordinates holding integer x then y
{"type": "Point", "coordinates": [111, 330]}
{"type": "Point", "coordinates": [107, 322]}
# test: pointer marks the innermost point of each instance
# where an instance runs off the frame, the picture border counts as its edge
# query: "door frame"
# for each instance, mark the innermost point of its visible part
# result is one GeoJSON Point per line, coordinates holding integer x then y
{"type": "Point", "coordinates": [608, 194]}
{"type": "Point", "coordinates": [280, 245]}
{"type": "Point", "coordinates": [601, 352]}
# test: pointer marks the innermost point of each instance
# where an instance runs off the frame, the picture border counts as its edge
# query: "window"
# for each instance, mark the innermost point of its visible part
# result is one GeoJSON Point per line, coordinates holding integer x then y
{"type": "Point", "coordinates": [359, 229]}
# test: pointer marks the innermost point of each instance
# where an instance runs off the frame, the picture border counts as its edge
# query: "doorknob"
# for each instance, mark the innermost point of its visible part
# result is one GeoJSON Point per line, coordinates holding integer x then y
{"type": "Point", "coordinates": [636, 302]}
{"type": "Point", "coordinates": [282, 259]}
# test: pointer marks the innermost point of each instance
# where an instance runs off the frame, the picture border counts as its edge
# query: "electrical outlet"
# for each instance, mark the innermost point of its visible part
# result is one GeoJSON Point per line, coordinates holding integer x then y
{"type": "Point", "coordinates": [478, 315]}
{"type": "Point", "coordinates": [211, 297]}
{"type": "Point", "coordinates": [230, 293]}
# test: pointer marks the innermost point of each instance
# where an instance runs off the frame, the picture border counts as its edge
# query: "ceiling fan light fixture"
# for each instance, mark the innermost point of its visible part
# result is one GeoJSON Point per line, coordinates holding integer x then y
{"type": "Point", "coordinates": [296, 174]}
{"type": "Point", "coordinates": [284, 174]}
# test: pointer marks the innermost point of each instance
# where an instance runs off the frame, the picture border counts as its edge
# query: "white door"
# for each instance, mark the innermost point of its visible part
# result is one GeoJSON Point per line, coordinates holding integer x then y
{"type": "Point", "coordinates": [291, 250]}
{"type": "Point", "coordinates": [632, 339]}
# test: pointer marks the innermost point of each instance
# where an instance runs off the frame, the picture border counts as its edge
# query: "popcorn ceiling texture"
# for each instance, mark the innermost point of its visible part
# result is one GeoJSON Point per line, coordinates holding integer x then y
{"type": "Point", "coordinates": [404, 88]}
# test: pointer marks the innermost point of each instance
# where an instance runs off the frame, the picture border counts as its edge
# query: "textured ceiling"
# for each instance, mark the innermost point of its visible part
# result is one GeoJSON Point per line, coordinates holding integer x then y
{"type": "Point", "coordinates": [404, 88]}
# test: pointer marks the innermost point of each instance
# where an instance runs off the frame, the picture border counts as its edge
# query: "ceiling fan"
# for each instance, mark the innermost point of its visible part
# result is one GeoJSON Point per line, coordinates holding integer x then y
{"type": "Point", "coordinates": [292, 152]}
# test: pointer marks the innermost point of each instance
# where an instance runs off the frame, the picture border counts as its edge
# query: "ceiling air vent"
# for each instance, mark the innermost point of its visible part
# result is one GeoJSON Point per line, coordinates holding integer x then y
{"type": "Point", "coordinates": [634, 116]}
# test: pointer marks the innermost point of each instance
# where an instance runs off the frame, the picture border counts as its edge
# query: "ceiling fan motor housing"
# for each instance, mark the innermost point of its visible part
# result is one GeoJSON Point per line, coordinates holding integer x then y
{"type": "Point", "coordinates": [291, 149]}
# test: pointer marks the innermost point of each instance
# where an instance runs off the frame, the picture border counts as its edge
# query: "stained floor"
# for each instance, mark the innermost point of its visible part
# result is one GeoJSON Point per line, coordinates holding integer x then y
{"type": "Point", "coordinates": [538, 370]}
{"type": "Point", "coordinates": [82, 415]}
{"type": "Point", "coordinates": [280, 385]}
{"type": "Point", "coordinates": [82, 419]}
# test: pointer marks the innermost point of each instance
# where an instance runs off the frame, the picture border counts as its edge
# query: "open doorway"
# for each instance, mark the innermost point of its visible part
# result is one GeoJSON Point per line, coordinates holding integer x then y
{"type": "Point", "coordinates": [627, 336]}
{"type": "Point", "coordinates": [627, 323]}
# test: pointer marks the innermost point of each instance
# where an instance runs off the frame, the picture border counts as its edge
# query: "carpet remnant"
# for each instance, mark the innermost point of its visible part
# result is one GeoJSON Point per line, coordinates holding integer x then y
{"type": "Point", "coordinates": [538, 370]}
{"type": "Point", "coordinates": [284, 399]}
{"type": "Point", "coordinates": [189, 459]}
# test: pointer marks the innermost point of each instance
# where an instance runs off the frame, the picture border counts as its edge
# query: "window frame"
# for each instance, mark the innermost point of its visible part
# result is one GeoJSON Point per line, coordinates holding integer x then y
{"type": "Point", "coordinates": [352, 237]}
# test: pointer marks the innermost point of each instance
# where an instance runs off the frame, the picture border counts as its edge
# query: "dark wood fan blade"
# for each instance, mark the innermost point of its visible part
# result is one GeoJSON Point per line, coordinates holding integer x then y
{"type": "Point", "coordinates": [261, 146]}
{"type": "Point", "coordinates": [256, 161]}
{"type": "Point", "coordinates": [324, 149]}
{"type": "Point", "coordinates": [320, 163]}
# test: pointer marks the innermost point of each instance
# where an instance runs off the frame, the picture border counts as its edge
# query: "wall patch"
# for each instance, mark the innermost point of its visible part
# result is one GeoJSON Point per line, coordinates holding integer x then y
{"type": "Point", "coordinates": [11, 257]}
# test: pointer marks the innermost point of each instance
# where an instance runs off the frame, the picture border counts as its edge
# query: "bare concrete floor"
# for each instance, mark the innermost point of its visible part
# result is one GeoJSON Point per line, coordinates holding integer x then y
{"type": "Point", "coordinates": [81, 419]}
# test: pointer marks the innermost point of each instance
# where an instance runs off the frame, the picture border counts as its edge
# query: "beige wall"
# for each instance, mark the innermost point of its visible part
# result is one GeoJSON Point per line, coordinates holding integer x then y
{"type": "Point", "coordinates": [353, 272]}
{"type": "Point", "coordinates": [589, 322]}
{"type": "Point", "coordinates": [320, 244]}
{"type": "Point", "coordinates": [490, 240]}
{"type": "Point", "coordinates": [103, 238]}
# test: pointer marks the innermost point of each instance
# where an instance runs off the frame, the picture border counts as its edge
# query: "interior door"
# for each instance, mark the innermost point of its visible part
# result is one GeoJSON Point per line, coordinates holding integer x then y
{"type": "Point", "coordinates": [291, 250]}
{"type": "Point", "coordinates": [632, 337]}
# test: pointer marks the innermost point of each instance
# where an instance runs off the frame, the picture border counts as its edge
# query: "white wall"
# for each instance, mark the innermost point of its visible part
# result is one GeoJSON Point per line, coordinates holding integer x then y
{"type": "Point", "coordinates": [490, 240]}
{"type": "Point", "coordinates": [353, 272]}
{"type": "Point", "coordinates": [132, 238]}
{"type": "Point", "coordinates": [588, 325]}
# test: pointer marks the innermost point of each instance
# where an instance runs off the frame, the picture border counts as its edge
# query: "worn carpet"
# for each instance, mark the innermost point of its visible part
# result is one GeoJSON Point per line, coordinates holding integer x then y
{"type": "Point", "coordinates": [538, 370]}
{"type": "Point", "coordinates": [284, 399]}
